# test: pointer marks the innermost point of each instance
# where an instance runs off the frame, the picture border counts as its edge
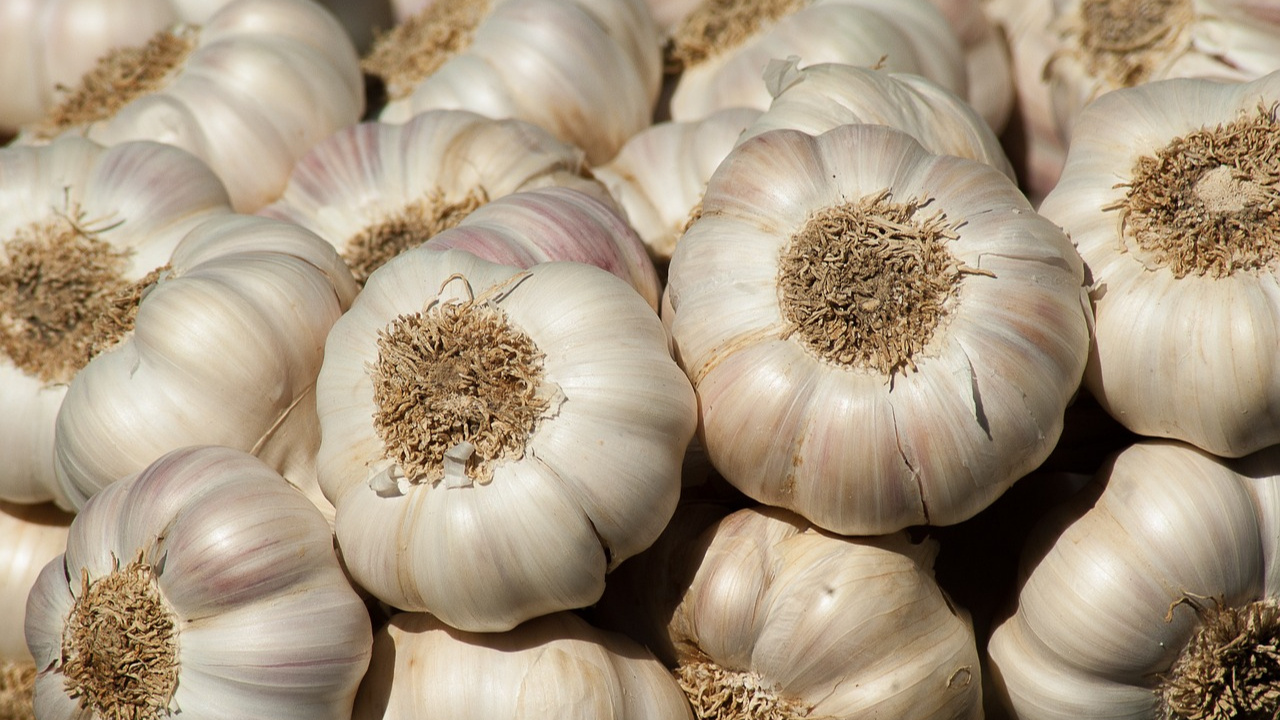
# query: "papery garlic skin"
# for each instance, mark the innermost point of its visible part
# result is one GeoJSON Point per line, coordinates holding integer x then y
{"type": "Point", "coordinates": [988, 64]}
{"type": "Point", "coordinates": [32, 536]}
{"type": "Point", "coordinates": [852, 448]}
{"type": "Point", "coordinates": [595, 482]}
{"type": "Point", "coordinates": [137, 197]}
{"type": "Point", "coordinates": [1104, 611]}
{"type": "Point", "coordinates": [586, 70]}
{"type": "Point", "coordinates": [556, 666]}
{"type": "Point", "coordinates": [265, 81]}
{"type": "Point", "coordinates": [225, 350]}
{"type": "Point", "coordinates": [1186, 357]}
{"type": "Point", "coordinates": [906, 36]}
{"type": "Point", "coordinates": [267, 625]}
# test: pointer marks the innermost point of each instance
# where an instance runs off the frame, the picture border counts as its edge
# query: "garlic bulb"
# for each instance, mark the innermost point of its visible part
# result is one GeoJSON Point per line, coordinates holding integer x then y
{"type": "Point", "coordinates": [204, 586]}
{"type": "Point", "coordinates": [765, 615]}
{"type": "Point", "coordinates": [87, 223]}
{"type": "Point", "coordinates": [220, 345]}
{"type": "Point", "coordinates": [879, 337]}
{"type": "Point", "coordinates": [723, 54]}
{"type": "Point", "coordinates": [248, 91]}
{"type": "Point", "coordinates": [1154, 596]}
{"type": "Point", "coordinates": [556, 666]}
{"type": "Point", "coordinates": [375, 189]}
{"type": "Point", "coordinates": [660, 173]}
{"type": "Point", "coordinates": [586, 70]}
{"type": "Point", "coordinates": [531, 422]}
{"type": "Point", "coordinates": [988, 63]}
{"type": "Point", "coordinates": [1169, 193]}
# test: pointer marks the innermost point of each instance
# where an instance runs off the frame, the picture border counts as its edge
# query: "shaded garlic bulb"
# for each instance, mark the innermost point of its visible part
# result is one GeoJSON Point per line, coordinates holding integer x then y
{"type": "Point", "coordinates": [766, 616]}
{"type": "Point", "coordinates": [248, 91]}
{"type": "Point", "coordinates": [724, 46]}
{"type": "Point", "coordinates": [80, 226]}
{"type": "Point", "coordinates": [586, 70]}
{"type": "Point", "coordinates": [556, 666]}
{"type": "Point", "coordinates": [531, 422]}
{"type": "Point", "coordinates": [879, 337]}
{"type": "Point", "coordinates": [206, 586]}
{"type": "Point", "coordinates": [1154, 595]}
{"type": "Point", "coordinates": [219, 345]}
{"type": "Point", "coordinates": [1170, 195]}
{"type": "Point", "coordinates": [988, 63]}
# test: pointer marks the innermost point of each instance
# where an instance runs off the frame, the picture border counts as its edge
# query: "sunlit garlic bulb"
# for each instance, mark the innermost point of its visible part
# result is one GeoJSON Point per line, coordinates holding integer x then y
{"type": "Point", "coordinates": [1155, 595]}
{"type": "Point", "coordinates": [204, 587]}
{"type": "Point", "coordinates": [1170, 194]}
{"type": "Point", "coordinates": [81, 228]}
{"type": "Point", "coordinates": [556, 666]}
{"type": "Point", "coordinates": [879, 337]}
{"type": "Point", "coordinates": [724, 46]}
{"type": "Point", "coordinates": [495, 439]}
{"type": "Point", "coordinates": [588, 71]}
{"type": "Point", "coordinates": [248, 91]}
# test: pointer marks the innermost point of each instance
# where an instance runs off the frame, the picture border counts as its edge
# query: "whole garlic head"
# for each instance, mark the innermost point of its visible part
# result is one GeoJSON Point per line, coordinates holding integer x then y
{"type": "Point", "coordinates": [203, 586]}
{"type": "Point", "coordinates": [81, 228]}
{"type": "Point", "coordinates": [495, 440]}
{"type": "Point", "coordinates": [1169, 193]}
{"type": "Point", "coordinates": [879, 337]}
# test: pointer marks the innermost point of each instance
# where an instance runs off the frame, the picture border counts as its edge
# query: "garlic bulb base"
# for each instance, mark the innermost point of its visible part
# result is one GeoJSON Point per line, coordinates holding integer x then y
{"type": "Point", "coordinates": [1230, 667]}
{"type": "Point", "coordinates": [717, 692]}
{"type": "Point", "coordinates": [17, 683]}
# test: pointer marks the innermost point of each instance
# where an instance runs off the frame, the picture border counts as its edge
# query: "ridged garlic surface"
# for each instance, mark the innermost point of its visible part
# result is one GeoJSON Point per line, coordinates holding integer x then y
{"type": "Point", "coordinates": [248, 90]}
{"type": "Point", "coordinates": [588, 71]}
{"type": "Point", "coordinates": [988, 63]}
{"type": "Point", "coordinates": [1155, 591]}
{"type": "Point", "coordinates": [495, 439]}
{"type": "Point", "coordinates": [1169, 194]}
{"type": "Point", "coordinates": [724, 59]}
{"type": "Point", "coordinates": [555, 666]}
{"type": "Point", "coordinates": [375, 189]}
{"type": "Point", "coordinates": [223, 347]}
{"type": "Point", "coordinates": [764, 615]}
{"type": "Point", "coordinates": [79, 224]}
{"type": "Point", "coordinates": [879, 337]}
{"type": "Point", "coordinates": [204, 586]}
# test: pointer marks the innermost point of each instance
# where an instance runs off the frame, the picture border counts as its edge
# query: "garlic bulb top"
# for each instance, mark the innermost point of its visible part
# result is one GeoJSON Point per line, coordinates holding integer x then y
{"type": "Point", "coordinates": [249, 90]}
{"type": "Point", "coordinates": [879, 337]}
{"type": "Point", "coordinates": [531, 422]}
{"type": "Point", "coordinates": [555, 666]}
{"type": "Point", "coordinates": [1156, 593]}
{"type": "Point", "coordinates": [81, 226]}
{"type": "Point", "coordinates": [1169, 193]}
{"type": "Point", "coordinates": [586, 70]}
{"type": "Point", "coordinates": [224, 345]}
{"type": "Point", "coordinates": [723, 58]}
{"type": "Point", "coordinates": [204, 585]}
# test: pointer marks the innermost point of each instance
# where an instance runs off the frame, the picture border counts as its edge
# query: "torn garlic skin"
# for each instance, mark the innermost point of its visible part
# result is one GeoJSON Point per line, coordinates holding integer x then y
{"type": "Point", "coordinates": [530, 421]}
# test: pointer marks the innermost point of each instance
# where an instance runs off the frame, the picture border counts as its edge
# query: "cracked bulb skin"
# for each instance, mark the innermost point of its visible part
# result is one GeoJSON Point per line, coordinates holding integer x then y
{"type": "Point", "coordinates": [924, 395]}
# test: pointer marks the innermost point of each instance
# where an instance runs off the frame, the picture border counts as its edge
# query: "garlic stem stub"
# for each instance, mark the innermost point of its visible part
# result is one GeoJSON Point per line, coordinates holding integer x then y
{"type": "Point", "coordinates": [879, 337]}
{"type": "Point", "coordinates": [530, 421]}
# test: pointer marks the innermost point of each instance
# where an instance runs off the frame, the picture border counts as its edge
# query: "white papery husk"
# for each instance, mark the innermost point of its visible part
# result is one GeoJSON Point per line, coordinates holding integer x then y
{"type": "Point", "coordinates": [1112, 581]}
{"type": "Point", "coordinates": [597, 479]}
{"type": "Point", "coordinates": [265, 81]}
{"type": "Point", "coordinates": [851, 449]}
{"type": "Point", "coordinates": [266, 623]}
{"type": "Point", "coordinates": [908, 36]}
{"type": "Point", "coordinates": [555, 666]}
{"type": "Point", "coordinates": [1189, 358]}
{"type": "Point", "coordinates": [142, 197]}
{"type": "Point", "coordinates": [588, 71]}
{"type": "Point", "coordinates": [843, 627]}
{"type": "Point", "coordinates": [225, 351]}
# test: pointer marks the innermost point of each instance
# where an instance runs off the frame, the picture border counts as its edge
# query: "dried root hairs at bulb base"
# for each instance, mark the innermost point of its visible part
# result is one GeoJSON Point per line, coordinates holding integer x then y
{"type": "Point", "coordinates": [719, 26]}
{"type": "Point", "coordinates": [17, 687]}
{"type": "Point", "coordinates": [418, 46]}
{"type": "Point", "coordinates": [1206, 203]}
{"type": "Point", "coordinates": [457, 374]}
{"type": "Point", "coordinates": [119, 78]}
{"type": "Point", "coordinates": [412, 225]}
{"type": "Point", "coordinates": [1123, 41]}
{"type": "Point", "coordinates": [720, 694]}
{"type": "Point", "coordinates": [119, 645]}
{"type": "Point", "coordinates": [1229, 669]}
